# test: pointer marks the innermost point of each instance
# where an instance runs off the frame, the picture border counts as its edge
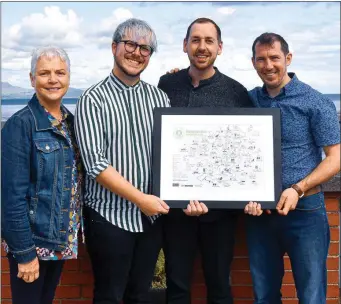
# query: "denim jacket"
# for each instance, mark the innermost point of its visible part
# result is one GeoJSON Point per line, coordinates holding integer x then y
{"type": "Point", "coordinates": [36, 164]}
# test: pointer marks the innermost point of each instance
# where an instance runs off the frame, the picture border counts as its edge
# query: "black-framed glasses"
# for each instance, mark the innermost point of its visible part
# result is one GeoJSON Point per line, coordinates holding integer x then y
{"type": "Point", "coordinates": [130, 46]}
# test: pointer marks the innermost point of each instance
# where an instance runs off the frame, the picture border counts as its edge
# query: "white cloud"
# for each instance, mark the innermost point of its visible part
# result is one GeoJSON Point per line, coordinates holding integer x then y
{"type": "Point", "coordinates": [323, 48]}
{"type": "Point", "coordinates": [323, 78]}
{"type": "Point", "coordinates": [158, 66]}
{"type": "Point", "coordinates": [312, 31]}
{"type": "Point", "coordinates": [17, 64]}
{"type": "Point", "coordinates": [225, 10]}
{"type": "Point", "coordinates": [101, 35]}
{"type": "Point", "coordinates": [9, 54]}
{"type": "Point", "coordinates": [50, 27]}
{"type": "Point", "coordinates": [118, 15]}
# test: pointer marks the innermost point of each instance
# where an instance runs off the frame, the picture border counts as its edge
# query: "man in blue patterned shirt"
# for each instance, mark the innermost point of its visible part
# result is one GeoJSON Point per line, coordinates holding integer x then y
{"type": "Point", "coordinates": [299, 227]}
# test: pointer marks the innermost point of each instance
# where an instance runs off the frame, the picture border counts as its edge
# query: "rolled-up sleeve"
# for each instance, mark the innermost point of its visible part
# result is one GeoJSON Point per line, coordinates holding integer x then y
{"type": "Point", "coordinates": [15, 180]}
{"type": "Point", "coordinates": [90, 135]}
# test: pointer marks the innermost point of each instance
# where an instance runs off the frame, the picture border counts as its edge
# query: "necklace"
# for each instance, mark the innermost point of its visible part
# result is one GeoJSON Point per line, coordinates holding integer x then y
{"type": "Point", "coordinates": [60, 117]}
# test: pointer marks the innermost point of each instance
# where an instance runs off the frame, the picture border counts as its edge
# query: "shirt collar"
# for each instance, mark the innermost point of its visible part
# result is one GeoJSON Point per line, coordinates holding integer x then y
{"type": "Point", "coordinates": [286, 90]}
{"type": "Point", "coordinates": [40, 117]}
{"type": "Point", "coordinates": [119, 85]}
{"type": "Point", "coordinates": [54, 121]}
{"type": "Point", "coordinates": [213, 78]}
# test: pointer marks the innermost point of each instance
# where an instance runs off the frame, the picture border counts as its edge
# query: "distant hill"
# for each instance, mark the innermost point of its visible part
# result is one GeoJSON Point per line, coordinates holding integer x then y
{"type": "Point", "coordinates": [12, 92]}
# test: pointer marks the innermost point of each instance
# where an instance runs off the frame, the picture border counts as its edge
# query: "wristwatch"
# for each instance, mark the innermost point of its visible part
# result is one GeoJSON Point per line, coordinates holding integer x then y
{"type": "Point", "coordinates": [298, 190]}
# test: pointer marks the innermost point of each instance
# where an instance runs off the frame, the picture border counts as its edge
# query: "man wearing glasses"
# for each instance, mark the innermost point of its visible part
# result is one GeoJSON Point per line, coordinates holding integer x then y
{"type": "Point", "coordinates": [113, 125]}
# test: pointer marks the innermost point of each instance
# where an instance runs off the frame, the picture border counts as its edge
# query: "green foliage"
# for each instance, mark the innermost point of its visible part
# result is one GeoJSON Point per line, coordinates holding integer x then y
{"type": "Point", "coordinates": [159, 280]}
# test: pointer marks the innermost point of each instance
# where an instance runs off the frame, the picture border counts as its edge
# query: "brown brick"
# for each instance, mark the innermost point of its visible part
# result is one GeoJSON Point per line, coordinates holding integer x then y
{"type": "Point", "coordinates": [241, 277]}
{"type": "Point", "coordinates": [3, 252]}
{"type": "Point", "coordinates": [287, 264]}
{"type": "Point", "coordinates": [240, 264]}
{"type": "Point", "coordinates": [335, 234]}
{"type": "Point", "coordinates": [333, 291]}
{"type": "Point", "coordinates": [334, 248]}
{"type": "Point", "coordinates": [71, 265]}
{"type": "Point", "coordinates": [332, 204]}
{"type": "Point", "coordinates": [333, 277]}
{"type": "Point", "coordinates": [198, 301]}
{"type": "Point", "coordinates": [333, 301]}
{"type": "Point", "coordinates": [85, 265]}
{"type": "Point", "coordinates": [6, 292]}
{"type": "Point", "coordinates": [4, 264]}
{"type": "Point", "coordinates": [5, 280]}
{"type": "Point", "coordinates": [288, 291]}
{"type": "Point", "coordinates": [198, 291]}
{"type": "Point", "coordinates": [288, 278]}
{"type": "Point", "coordinates": [198, 277]}
{"type": "Point", "coordinates": [334, 219]}
{"type": "Point", "coordinates": [332, 263]}
{"type": "Point", "coordinates": [82, 253]}
{"type": "Point", "coordinates": [87, 291]}
{"type": "Point", "coordinates": [68, 292]}
{"type": "Point", "coordinates": [331, 195]}
{"type": "Point", "coordinates": [242, 291]}
{"type": "Point", "coordinates": [82, 278]}
{"type": "Point", "coordinates": [82, 301]}
{"type": "Point", "coordinates": [240, 250]}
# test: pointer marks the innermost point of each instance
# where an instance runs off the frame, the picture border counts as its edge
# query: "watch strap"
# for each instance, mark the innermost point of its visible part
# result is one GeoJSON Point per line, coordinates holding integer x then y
{"type": "Point", "coordinates": [298, 190]}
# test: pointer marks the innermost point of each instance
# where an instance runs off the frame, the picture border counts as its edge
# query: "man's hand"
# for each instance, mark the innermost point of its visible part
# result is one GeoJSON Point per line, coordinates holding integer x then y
{"type": "Point", "coordinates": [153, 205]}
{"type": "Point", "coordinates": [254, 208]}
{"type": "Point", "coordinates": [195, 208]}
{"type": "Point", "coordinates": [29, 272]}
{"type": "Point", "coordinates": [172, 71]}
{"type": "Point", "coordinates": [287, 202]}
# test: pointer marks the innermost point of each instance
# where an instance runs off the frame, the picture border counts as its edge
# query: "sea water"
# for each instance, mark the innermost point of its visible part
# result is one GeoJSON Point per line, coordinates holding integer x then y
{"type": "Point", "coordinates": [10, 106]}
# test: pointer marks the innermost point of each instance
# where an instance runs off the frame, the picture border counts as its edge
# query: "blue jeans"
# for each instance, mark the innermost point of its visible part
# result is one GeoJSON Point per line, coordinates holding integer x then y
{"type": "Point", "coordinates": [304, 235]}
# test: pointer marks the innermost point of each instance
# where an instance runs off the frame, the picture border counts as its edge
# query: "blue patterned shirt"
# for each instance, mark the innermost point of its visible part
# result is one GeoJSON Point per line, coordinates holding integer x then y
{"type": "Point", "coordinates": [309, 122]}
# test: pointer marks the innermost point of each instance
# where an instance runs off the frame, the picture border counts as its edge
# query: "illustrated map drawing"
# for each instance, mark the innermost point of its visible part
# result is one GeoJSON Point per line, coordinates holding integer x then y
{"type": "Point", "coordinates": [221, 156]}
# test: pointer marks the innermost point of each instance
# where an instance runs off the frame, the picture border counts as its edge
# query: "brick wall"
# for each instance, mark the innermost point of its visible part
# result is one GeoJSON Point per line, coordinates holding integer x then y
{"type": "Point", "coordinates": [76, 282]}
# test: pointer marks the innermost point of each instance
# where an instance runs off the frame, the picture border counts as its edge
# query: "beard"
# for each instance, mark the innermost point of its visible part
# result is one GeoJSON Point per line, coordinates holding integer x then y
{"type": "Point", "coordinates": [126, 71]}
{"type": "Point", "coordinates": [202, 66]}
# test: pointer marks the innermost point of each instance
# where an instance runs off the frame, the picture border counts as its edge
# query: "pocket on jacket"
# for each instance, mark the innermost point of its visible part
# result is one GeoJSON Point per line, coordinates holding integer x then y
{"type": "Point", "coordinates": [47, 146]}
{"type": "Point", "coordinates": [47, 162]}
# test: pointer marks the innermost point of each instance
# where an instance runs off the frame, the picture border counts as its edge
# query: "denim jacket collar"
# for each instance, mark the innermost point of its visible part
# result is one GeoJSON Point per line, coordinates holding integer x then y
{"type": "Point", "coordinates": [40, 117]}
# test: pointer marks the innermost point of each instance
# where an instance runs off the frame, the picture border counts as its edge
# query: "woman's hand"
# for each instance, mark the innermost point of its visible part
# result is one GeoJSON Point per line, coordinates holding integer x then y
{"type": "Point", "coordinates": [29, 272]}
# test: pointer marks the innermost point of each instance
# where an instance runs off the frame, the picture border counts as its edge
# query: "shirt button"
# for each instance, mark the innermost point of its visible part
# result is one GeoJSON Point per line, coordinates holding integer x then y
{"type": "Point", "coordinates": [31, 211]}
{"type": "Point", "coordinates": [47, 147]}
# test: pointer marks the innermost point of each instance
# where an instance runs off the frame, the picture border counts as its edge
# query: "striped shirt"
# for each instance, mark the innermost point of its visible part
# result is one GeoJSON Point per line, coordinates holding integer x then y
{"type": "Point", "coordinates": [113, 126]}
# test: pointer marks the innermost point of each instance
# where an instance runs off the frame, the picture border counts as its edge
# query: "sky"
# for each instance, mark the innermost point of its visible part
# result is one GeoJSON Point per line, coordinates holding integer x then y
{"type": "Point", "coordinates": [84, 30]}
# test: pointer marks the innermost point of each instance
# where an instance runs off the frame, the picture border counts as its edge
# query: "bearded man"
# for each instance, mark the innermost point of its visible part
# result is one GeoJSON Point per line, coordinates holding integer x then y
{"type": "Point", "coordinates": [201, 85]}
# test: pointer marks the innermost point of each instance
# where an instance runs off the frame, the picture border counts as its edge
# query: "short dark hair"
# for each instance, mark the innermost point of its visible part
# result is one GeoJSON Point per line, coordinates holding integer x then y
{"type": "Point", "coordinates": [204, 20]}
{"type": "Point", "coordinates": [270, 39]}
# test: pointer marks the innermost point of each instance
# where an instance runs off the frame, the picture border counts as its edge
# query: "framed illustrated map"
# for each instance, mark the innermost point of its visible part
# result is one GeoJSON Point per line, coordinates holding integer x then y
{"type": "Point", "coordinates": [223, 157]}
